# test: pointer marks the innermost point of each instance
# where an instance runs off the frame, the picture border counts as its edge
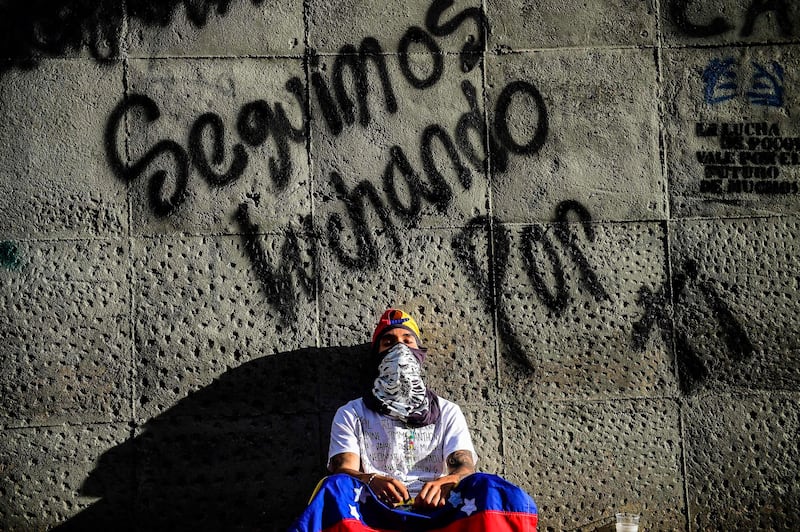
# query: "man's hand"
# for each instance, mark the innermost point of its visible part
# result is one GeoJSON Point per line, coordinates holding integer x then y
{"type": "Point", "coordinates": [389, 490]}
{"type": "Point", "coordinates": [435, 493]}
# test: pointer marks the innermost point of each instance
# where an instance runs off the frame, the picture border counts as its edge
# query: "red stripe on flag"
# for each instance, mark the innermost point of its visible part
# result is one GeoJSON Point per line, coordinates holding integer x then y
{"type": "Point", "coordinates": [496, 521]}
{"type": "Point", "coordinates": [493, 520]}
{"type": "Point", "coordinates": [353, 525]}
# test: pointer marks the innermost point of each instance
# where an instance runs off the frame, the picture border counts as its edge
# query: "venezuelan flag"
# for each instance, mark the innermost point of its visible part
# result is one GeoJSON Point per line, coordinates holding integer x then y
{"type": "Point", "coordinates": [479, 502]}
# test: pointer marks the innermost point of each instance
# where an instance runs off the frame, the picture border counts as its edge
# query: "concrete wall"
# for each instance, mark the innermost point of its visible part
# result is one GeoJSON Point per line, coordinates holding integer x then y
{"type": "Point", "coordinates": [590, 208]}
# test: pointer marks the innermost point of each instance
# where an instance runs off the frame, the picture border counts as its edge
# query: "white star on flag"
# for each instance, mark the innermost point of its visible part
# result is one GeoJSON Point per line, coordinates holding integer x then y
{"type": "Point", "coordinates": [469, 506]}
{"type": "Point", "coordinates": [354, 512]}
{"type": "Point", "coordinates": [361, 495]}
{"type": "Point", "coordinates": [455, 499]}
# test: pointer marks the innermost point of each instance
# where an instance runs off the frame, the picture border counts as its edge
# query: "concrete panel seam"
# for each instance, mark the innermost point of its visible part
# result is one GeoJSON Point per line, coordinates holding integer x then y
{"type": "Point", "coordinates": [661, 108]}
{"type": "Point", "coordinates": [682, 433]}
{"type": "Point", "coordinates": [333, 55]}
{"type": "Point", "coordinates": [743, 394]}
{"type": "Point", "coordinates": [309, 157]}
{"type": "Point", "coordinates": [578, 401]}
{"type": "Point", "coordinates": [132, 370]}
{"type": "Point", "coordinates": [70, 424]}
{"type": "Point", "coordinates": [733, 217]}
{"type": "Point", "coordinates": [561, 49]}
{"type": "Point", "coordinates": [503, 451]}
{"type": "Point", "coordinates": [487, 133]}
{"type": "Point", "coordinates": [731, 44]}
{"type": "Point", "coordinates": [214, 57]}
{"type": "Point", "coordinates": [671, 295]}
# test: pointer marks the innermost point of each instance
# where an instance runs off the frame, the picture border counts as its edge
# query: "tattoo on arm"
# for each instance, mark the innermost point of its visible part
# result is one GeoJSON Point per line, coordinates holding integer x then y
{"type": "Point", "coordinates": [460, 459]}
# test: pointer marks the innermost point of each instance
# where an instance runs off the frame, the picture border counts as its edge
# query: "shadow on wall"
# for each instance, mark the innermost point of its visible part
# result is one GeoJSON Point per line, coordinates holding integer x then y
{"type": "Point", "coordinates": [243, 453]}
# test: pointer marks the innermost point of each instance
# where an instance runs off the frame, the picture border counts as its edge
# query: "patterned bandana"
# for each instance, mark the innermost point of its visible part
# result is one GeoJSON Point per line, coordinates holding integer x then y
{"type": "Point", "coordinates": [399, 391]}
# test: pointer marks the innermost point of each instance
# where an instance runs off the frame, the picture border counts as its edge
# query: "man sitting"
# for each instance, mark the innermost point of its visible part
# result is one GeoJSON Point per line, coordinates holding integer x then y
{"type": "Point", "coordinates": [401, 457]}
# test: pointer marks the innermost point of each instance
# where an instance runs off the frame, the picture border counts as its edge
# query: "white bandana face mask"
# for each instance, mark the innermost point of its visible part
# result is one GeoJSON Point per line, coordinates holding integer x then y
{"type": "Point", "coordinates": [399, 385]}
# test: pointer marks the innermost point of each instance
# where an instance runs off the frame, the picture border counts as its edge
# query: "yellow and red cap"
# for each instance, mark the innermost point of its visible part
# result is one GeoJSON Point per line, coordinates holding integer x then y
{"type": "Point", "coordinates": [392, 319]}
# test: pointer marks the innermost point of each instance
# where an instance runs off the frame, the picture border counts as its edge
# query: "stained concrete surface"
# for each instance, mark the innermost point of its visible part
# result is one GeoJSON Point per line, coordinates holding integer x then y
{"type": "Point", "coordinates": [590, 209]}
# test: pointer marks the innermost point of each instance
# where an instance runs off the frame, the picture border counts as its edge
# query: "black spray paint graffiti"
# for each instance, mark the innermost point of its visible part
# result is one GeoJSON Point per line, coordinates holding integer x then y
{"type": "Point", "coordinates": [489, 284]}
{"type": "Point", "coordinates": [278, 283]}
{"type": "Point", "coordinates": [556, 300]}
{"type": "Point", "coordinates": [679, 12]}
{"type": "Point", "coordinates": [692, 370]}
{"type": "Point", "coordinates": [470, 52]}
{"type": "Point", "coordinates": [57, 27]}
{"type": "Point", "coordinates": [435, 189]}
{"type": "Point", "coordinates": [160, 204]}
{"type": "Point", "coordinates": [257, 121]}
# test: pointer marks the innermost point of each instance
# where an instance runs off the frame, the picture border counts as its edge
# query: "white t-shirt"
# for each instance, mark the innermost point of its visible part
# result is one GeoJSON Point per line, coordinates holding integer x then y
{"type": "Point", "coordinates": [388, 447]}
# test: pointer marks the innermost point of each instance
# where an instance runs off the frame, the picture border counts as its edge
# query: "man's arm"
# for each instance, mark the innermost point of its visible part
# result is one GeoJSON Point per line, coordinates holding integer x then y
{"type": "Point", "coordinates": [347, 463]}
{"type": "Point", "coordinates": [435, 492]}
{"type": "Point", "coordinates": [388, 489]}
{"type": "Point", "coordinates": [460, 464]}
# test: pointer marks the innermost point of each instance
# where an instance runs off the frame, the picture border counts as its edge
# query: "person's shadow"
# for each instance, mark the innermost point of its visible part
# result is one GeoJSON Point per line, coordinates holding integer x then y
{"type": "Point", "coordinates": [243, 453]}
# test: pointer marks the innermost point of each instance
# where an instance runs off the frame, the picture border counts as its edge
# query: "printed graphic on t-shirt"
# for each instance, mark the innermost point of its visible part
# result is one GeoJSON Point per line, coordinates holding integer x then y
{"type": "Point", "coordinates": [412, 455]}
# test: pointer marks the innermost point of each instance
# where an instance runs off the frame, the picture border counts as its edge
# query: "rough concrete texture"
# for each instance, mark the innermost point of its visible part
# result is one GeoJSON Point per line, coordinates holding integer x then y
{"type": "Point", "coordinates": [231, 28]}
{"type": "Point", "coordinates": [589, 207]}
{"type": "Point", "coordinates": [582, 462]}
{"type": "Point", "coordinates": [723, 22]}
{"type": "Point", "coordinates": [334, 25]}
{"type": "Point", "coordinates": [729, 310]}
{"type": "Point", "coordinates": [214, 471]}
{"type": "Point", "coordinates": [195, 318]}
{"type": "Point", "coordinates": [65, 333]}
{"type": "Point", "coordinates": [600, 102]}
{"type": "Point", "coordinates": [54, 177]}
{"type": "Point", "coordinates": [403, 151]}
{"type": "Point", "coordinates": [526, 25]}
{"type": "Point", "coordinates": [46, 467]}
{"type": "Point", "coordinates": [750, 453]}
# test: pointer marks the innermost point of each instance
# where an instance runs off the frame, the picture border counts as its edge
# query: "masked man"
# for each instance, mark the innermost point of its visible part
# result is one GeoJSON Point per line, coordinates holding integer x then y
{"type": "Point", "coordinates": [400, 438]}
{"type": "Point", "coordinates": [402, 457]}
